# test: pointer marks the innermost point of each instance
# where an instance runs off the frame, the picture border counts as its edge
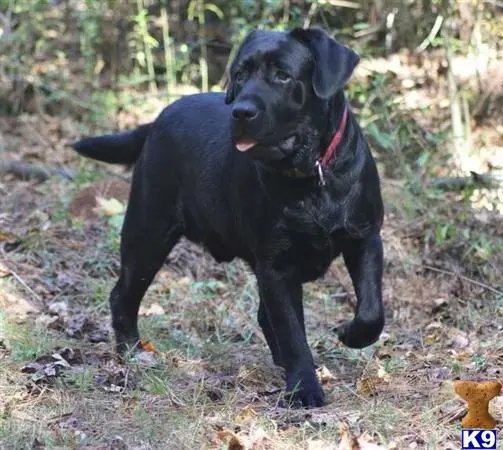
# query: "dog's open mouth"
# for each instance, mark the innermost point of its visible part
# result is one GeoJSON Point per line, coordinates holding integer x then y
{"type": "Point", "coordinates": [245, 143]}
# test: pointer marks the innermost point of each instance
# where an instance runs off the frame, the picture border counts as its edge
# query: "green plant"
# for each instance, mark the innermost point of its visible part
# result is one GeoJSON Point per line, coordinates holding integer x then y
{"type": "Point", "coordinates": [169, 52]}
{"type": "Point", "coordinates": [27, 343]}
{"type": "Point", "coordinates": [89, 18]}
{"type": "Point", "coordinates": [196, 10]}
{"type": "Point", "coordinates": [144, 54]}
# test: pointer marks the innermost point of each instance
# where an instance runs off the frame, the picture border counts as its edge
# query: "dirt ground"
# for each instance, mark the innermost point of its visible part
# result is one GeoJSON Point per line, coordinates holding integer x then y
{"type": "Point", "coordinates": [210, 383]}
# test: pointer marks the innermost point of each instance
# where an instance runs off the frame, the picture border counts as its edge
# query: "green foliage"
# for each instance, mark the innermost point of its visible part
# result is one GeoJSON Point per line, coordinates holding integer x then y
{"type": "Point", "coordinates": [444, 232]}
{"type": "Point", "coordinates": [27, 343]}
{"type": "Point", "coordinates": [89, 19]}
{"type": "Point", "coordinates": [105, 103]}
{"type": "Point", "coordinates": [99, 292]}
{"type": "Point", "coordinates": [155, 45]}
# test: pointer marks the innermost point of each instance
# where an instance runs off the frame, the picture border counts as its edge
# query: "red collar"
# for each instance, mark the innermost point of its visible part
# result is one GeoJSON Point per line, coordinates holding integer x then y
{"type": "Point", "coordinates": [336, 140]}
{"type": "Point", "coordinates": [329, 154]}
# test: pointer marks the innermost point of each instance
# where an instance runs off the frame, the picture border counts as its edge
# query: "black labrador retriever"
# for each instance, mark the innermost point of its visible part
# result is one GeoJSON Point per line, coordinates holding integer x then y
{"type": "Point", "coordinates": [276, 172]}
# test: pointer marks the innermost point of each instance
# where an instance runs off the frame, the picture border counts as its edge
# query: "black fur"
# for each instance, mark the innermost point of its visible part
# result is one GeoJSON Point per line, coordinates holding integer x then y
{"type": "Point", "coordinates": [122, 148]}
{"type": "Point", "coordinates": [285, 95]}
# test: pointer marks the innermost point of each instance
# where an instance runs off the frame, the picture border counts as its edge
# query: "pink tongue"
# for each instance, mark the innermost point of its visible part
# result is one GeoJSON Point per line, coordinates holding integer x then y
{"type": "Point", "coordinates": [245, 144]}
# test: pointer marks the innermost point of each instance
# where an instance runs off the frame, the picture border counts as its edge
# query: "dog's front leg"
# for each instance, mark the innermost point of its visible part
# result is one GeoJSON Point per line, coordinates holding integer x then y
{"type": "Point", "coordinates": [364, 260]}
{"type": "Point", "coordinates": [281, 298]}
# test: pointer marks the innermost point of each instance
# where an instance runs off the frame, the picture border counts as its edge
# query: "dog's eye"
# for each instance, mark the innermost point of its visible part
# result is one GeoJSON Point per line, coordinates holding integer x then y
{"type": "Point", "coordinates": [239, 76]}
{"type": "Point", "coordinates": [282, 76]}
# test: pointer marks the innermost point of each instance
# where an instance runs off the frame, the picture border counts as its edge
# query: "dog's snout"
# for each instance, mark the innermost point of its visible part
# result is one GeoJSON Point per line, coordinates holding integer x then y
{"type": "Point", "coordinates": [245, 111]}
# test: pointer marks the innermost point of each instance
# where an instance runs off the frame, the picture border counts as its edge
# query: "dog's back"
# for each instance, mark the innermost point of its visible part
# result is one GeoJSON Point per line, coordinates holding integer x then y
{"type": "Point", "coordinates": [192, 116]}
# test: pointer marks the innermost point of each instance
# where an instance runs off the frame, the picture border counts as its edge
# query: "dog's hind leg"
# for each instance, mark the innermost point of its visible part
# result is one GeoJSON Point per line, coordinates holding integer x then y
{"type": "Point", "coordinates": [150, 231]}
{"type": "Point", "coordinates": [364, 260]}
{"type": "Point", "coordinates": [140, 262]}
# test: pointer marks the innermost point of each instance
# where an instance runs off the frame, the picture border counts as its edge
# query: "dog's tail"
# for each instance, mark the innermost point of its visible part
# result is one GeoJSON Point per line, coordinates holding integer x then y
{"type": "Point", "coordinates": [121, 148]}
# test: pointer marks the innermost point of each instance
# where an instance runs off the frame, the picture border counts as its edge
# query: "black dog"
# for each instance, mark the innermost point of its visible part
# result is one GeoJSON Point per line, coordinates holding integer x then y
{"type": "Point", "coordinates": [276, 172]}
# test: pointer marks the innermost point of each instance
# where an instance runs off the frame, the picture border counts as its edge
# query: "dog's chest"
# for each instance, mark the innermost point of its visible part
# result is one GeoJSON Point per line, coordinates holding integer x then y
{"type": "Point", "coordinates": [313, 231]}
{"type": "Point", "coordinates": [313, 256]}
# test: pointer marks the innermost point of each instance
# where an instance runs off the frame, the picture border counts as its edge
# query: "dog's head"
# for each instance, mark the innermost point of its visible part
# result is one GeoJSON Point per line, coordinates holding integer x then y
{"type": "Point", "coordinates": [279, 84]}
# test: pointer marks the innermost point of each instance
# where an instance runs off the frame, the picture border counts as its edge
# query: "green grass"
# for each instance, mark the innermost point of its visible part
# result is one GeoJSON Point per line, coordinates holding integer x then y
{"type": "Point", "coordinates": [27, 342]}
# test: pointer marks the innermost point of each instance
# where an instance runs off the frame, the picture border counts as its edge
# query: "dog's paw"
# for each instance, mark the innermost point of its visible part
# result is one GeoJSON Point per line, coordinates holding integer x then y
{"type": "Point", "coordinates": [357, 334]}
{"type": "Point", "coordinates": [303, 391]}
{"type": "Point", "coordinates": [127, 346]}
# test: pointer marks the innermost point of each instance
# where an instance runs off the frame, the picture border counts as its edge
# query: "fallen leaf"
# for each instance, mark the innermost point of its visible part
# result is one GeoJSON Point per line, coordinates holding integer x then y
{"type": "Point", "coordinates": [365, 442]}
{"type": "Point", "coordinates": [372, 378]}
{"type": "Point", "coordinates": [76, 325]}
{"type": "Point", "coordinates": [147, 346]}
{"type": "Point", "coordinates": [246, 414]}
{"type": "Point", "coordinates": [60, 361]}
{"type": "Point", "coordinates": [434, 331]}
{"type": "Point", "coordinates": [42, 372]}
{"type": "Point", "coordinates": [31, 367]}
{"type": "Point", "coordinates": [4, 270]}
{"type": "Point", "coordinates": [430, 339]}
{"type": "Point", "coordinates": [109, 206]}
{"type": "Point", "coordinates": [324, 375]}
{"type": "Point", "coordinates": [463, 356]}
{"type": "Point", "coordinates": [84, 204]}
{"type": "Point", "coordinates": [382, 375]}
{"type": "Point", "coordinates": [16, 308]}
{"type": "Point", "coordinates": [48, 321]}
{"type": "Point", "coordinates": [7, 236]}
{"type": "Point", "coordinates": [99, 335]}
{"type": "Point", "coordinates": [348, 441]}
{"type": "Point", "coordinates": [458, 340]}
{"type": "Point", "coordinates": [232, 439]}
{"type": "Point", "coordinates": [47, 367]}
{"type": "Point", "coordinates": [439, 304]}
{"type": "Point", "coordinates": [153, 310]}
{"type": "Point", "coordinates": [365, 386]}
{"type": "Point", "coordinates": [114, 378]}
{"type": "Point", "coordinates": [58, 308]}
{"type": "Point", "coordinates": [70, 355]}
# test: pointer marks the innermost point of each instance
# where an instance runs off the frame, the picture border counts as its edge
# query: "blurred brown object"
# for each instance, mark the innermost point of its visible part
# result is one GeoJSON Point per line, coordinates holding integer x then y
{"type": "Point", "coordinates": [85, 202]}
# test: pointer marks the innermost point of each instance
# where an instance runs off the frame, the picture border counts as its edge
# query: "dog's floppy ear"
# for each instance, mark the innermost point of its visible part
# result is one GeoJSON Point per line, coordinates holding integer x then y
{"type": "Point", "coordinates": [231, 88]}
{"type": "Point", "coordinates": [334, 62]}
{"type": "Point", "coordinates": [230, 93]}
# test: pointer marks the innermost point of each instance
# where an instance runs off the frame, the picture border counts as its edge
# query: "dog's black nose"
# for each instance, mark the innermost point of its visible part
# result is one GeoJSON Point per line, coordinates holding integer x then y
{"type": "Point", "coordinates": [244, 111]}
